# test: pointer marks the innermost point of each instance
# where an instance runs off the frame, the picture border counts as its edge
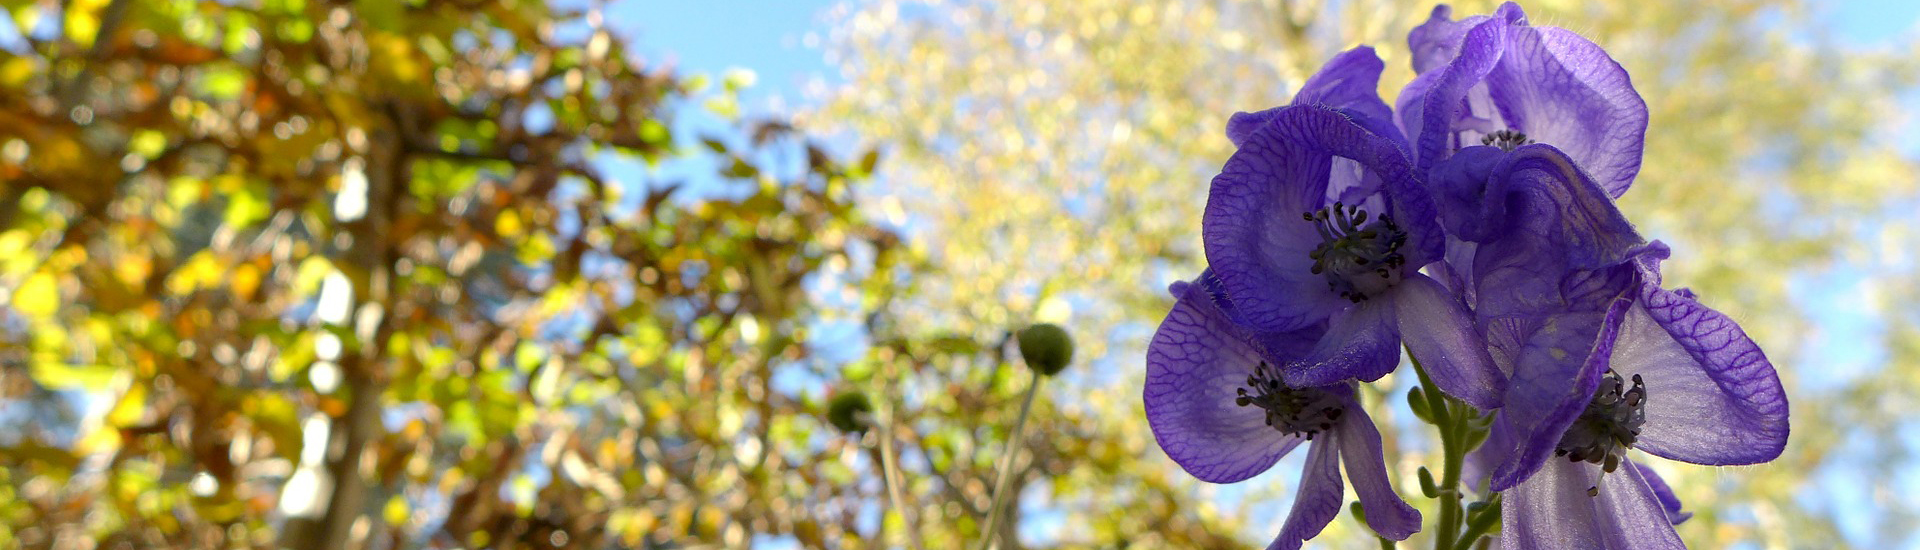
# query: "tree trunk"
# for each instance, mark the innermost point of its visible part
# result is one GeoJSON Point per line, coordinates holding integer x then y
{"type": "Point", "coordinates": [369, 258]}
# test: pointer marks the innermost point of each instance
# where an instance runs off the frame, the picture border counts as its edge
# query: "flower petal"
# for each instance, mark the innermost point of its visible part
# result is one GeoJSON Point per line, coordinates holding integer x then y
{"type": "Point", "coordinates": [1387, 513]}
{"type": "Point", "coordinates": [1668, 500]}
{"type": "Point", "coordinates": [1555, 375]}
{"type": "Point", "coordinates": [1348, 83]}
{"type": "Point", "coordinates": [1553, 510]}
{"type": "Point", "coordinates": [1631, 513]}
{"type": "Point", "coordinates": [1440, 333]}
{"type": "Point", "coordinates": [1413, 209]}
{"type": "Point", "coordinates": [1436, 42]}
{"type": "Point", "coordinates": [1195, 364]}
{"type": "Point", "coordinates": [1279, 347]}
{"type": "Point", "coordinates": [1320, 496]}
{"type": "Point", "coordinates": [1438, 105]}
{"type": "Point", "coordinates": [1254, 236]}
{"type": "Point", "coordinates": [1560, 88]}
{"type": "Point", "coordinates": [1478, 469]}
{"type": "Point", "coordinates": [1409, 109]}
{"type": "Point", "coordinates": [1362, 343]}
{"type": "Point", "coordinates": [1712, 395]}
{"type": "Point", "coordinates": [1537, 192]}
{"type": "Point", "coordinates": [1547, 193]}
{"type": "Point", "coordinates": [1455, 271]}
{"type": "Point", "coordinates": [1461, 186]}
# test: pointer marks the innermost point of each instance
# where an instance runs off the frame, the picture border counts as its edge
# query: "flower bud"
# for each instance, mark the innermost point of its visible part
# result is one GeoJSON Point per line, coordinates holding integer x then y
{"type": "Point", "coordinates": [847, 411]}
{"type": "Point", "coordinates": [1427, 486]}
{"type": "Point", "coordinates": [1417, 400]}
{"type": "Point", "coordinates": [1046, 347]}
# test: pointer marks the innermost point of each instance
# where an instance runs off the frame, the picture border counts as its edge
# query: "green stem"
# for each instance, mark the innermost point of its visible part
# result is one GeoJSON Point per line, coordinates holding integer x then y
{"type": "Point", "coordinates": [891, 470]}
{"type": "Point", "coordinates": [1452, 418]}
{"type": "Point", "coordinates": [1479, 522]}
{"type": "Point", "coordinates": [1449, 488]}
{"type": "Point", "coordinates": [1437, 402]}
{"type": "Point", "coordinates": [1002, 479]}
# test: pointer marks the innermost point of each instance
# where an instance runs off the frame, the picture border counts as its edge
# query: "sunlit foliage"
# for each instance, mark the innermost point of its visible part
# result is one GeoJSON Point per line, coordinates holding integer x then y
{"type": "Point", "coordinates": [391, 274]}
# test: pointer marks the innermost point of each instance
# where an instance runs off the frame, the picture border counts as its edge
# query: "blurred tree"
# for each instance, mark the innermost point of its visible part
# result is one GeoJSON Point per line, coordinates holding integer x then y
{"type": "Point", "coordinates": [329, 274]}
{"type": "Point", "coordinates": [1053, 156]}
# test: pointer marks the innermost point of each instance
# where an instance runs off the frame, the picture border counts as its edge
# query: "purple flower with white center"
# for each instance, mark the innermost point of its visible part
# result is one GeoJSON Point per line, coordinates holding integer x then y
{"type": "Point", "coordinates": [1317, 219]}
{"type": "Point", "coordinates": [1496, 80]}
{"type": "Point", "coordinates": [1221, 411]}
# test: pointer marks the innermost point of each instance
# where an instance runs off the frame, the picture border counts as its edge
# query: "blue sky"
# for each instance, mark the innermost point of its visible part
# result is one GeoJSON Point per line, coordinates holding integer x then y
{"type": "Point", "coordinates": [1870, 22]}
{"type": "Point", "coordinates": [710, 37]}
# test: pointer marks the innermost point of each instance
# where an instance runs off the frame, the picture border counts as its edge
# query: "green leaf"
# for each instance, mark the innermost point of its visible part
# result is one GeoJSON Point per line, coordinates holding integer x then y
{"type": "Point", "coordinates": [740, 169]}
{"type": "Point", "coordinates": [223, 83]}
{"type": "Point", "coordinates": [868, 162]}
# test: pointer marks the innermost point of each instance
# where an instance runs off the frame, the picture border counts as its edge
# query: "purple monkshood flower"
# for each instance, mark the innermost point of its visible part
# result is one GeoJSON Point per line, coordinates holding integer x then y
{"type": "Point", "coordinates": [1318, 220]}
{"type": "Point", "coordinates": [1600, 359]}
{"type": "Point", "coordinates": [1221, 411]}
{"type": "Point", "coordinates": [1670, 377]}
{"type": "Point", "coordinates": [1495, 80]}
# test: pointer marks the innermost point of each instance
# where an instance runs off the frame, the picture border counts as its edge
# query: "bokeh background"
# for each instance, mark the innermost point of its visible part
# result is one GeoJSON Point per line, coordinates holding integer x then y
{"type": "Point", "coordinates": [501, 273]}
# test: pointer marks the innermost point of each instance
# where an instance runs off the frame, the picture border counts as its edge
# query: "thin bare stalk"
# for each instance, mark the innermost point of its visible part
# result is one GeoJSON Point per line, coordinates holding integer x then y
{"type": "Point", "coordinates": [1002, 480]}
{"type": "Point", "coordinates": [891, 469]}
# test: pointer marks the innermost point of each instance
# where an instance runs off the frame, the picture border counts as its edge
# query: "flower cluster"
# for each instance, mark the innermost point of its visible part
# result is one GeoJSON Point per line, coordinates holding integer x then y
{"type": "Point", "coordinates": [1473, 223]}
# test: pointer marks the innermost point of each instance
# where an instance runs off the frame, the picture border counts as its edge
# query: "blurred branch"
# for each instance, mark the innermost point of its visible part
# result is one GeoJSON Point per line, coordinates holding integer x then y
{"type": "Point", "coordinates": [116, 11]}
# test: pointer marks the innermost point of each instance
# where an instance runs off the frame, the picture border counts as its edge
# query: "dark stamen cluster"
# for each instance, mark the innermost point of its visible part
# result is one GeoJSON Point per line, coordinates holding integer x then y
{"type": "Point", "coordinates": [1293, 411]}
{"type": "Point", "coordinates": [1609, 426]}
{"type": "Point", "coordinates": [1506, 140]}
{"type": "Point", "coordinates": [1358, 259]}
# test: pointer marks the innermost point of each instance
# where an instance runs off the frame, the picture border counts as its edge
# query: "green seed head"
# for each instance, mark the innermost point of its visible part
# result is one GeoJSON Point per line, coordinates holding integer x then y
{"type": "Point", "coordinates": [845, 410]}
{"type": "Point", "coordinates": [1046, 347]}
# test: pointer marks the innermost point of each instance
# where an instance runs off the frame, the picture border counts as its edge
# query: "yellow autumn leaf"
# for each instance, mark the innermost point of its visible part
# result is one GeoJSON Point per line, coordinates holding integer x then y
{"type": "Point", "coordinates": [396, 511]}
{"type": "Point", "coordinates": [132, 270]}
{"type": "Point", "coordinates": [16, 71]}
{"type": "Point", "coordinates": [200, 270]}
{"type": "Point", "coordinates": [131, 408]}
{"type": "Point", "coordinates": [246, 279]}
{"type": "Point", "coordinates": [55, 375]}
{"type": "Point", "coordinates": [39, 296]}
{"type": "Point", "coordinates": [100, 440]}
{"type": "Point", "coordinates": [508, 224]}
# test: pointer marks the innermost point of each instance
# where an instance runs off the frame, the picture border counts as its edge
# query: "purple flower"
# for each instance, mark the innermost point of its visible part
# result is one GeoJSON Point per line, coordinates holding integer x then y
{"type": "Point", "coordinates": [1672, 378]}
{"type": "Point", "coordinates": [1601, 359]}
{"type": "Point", "coordinates": [1317, 219]}
{"type": "Point", "coordinates": [1220, 410]}
{"type": "Point", "coordinates": [1558, 276]}
{"type": "Point", "coordinates": [1499, 81]}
